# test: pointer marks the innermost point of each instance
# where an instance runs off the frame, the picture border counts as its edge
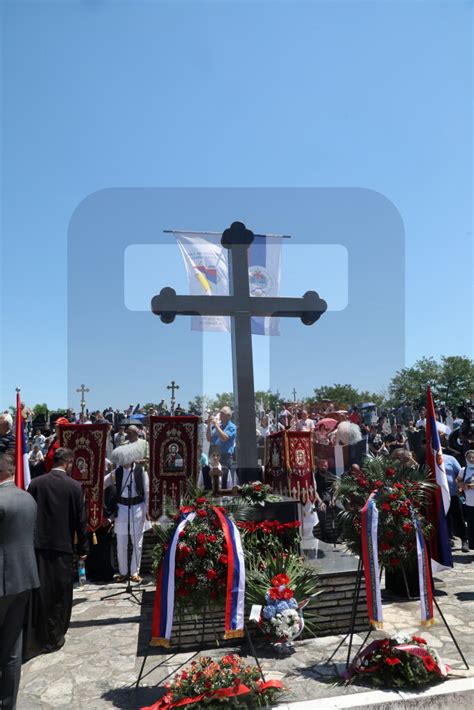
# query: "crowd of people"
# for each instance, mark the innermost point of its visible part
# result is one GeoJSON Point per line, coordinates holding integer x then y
{"type": "Point", "coordinates": [37, 562]}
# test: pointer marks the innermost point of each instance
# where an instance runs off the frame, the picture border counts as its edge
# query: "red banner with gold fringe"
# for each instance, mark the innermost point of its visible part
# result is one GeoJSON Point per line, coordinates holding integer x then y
{"type": "Point", "coordinates": [289, 464]}
{"type": "Point", "coordinates": [88, 442]}
{"type": "Point", "coordinates": [173, 459]}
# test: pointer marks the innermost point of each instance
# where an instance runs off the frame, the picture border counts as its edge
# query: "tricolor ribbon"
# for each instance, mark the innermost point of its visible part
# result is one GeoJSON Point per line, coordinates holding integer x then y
{"type": "Point", "coordinates": [238, 689]}
{"type": "Point", "coordinates": [369, 518]}
{"type": "Point", "coordinates": [424, 575]}
{"type": "Point", "coordinates": [163, 612]}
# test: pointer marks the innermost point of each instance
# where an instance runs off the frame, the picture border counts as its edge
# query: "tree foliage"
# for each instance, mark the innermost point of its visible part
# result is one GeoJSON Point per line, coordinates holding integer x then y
{"type": "Point", "coordinates": [451, 380]}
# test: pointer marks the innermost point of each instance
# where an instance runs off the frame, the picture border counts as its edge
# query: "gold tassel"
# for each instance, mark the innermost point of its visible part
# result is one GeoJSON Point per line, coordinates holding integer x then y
{"type": "Point", "coordinates": [236, 634]}
{"type": "Point", "coordinates": [76, 539]}
{"type": "Point", "coordinates": [165, 643]}
{"type": "Point", "coordinates": [376, 624]}
{"type": "Point", "coordinates": [428, 622]}
{"type": "Point", "coordinates": [94, 538]}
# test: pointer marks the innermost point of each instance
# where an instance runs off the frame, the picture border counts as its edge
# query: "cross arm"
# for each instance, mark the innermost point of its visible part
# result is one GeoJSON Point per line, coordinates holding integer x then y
{"type": "Point", "coordinates": [168, 305]}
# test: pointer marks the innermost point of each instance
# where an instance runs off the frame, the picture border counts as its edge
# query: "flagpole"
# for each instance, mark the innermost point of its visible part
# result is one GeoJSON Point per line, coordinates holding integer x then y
{"type": "Point", "coordinates": [219, 234]}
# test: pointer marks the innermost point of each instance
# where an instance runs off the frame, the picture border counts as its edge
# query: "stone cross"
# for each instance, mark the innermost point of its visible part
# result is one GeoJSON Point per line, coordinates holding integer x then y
{"type": "Point", "coordinates": [173, 386]}
{"type": "Point", "coordinates": [294, 395]}
{"type": "Point", "coordinates": [240, 306]}
{"type": "Point", "coordinates": [83, 389]}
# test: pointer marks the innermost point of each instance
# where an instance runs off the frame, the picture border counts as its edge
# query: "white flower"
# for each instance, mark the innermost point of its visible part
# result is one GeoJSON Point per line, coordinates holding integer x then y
{"type": "Point", "coordinates": [401, 638]}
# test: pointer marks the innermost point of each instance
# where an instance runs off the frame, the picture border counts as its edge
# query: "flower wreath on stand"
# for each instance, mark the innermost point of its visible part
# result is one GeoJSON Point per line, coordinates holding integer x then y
{"type": "Point", "coordinates": [400, 493]}
{"type": "Point", "coordinates": [201, 557]}
{"type": "Point", "coordinates": [256, 493]}
{"type": "Point", "coordinates": [397, 662]}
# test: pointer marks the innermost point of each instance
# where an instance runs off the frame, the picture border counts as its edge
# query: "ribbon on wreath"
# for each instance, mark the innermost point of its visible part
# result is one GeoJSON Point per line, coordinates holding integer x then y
{"type": "Point", "coordinates": [369, 518]}
{"type": "Point", "coordinates": [369, 545]}
{"type": "Point", "coordinates": [424, 575]}
{"type": "Point", "coordinates": [163, 611]}
{"type": "Point", "coordinates": [240, 689]}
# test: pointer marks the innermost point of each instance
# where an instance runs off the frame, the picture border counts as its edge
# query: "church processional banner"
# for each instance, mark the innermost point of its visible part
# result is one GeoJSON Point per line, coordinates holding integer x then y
{"type": "Point", "coordinates": [340, 458]}
{"type": "Point", "coordinates": [88, 442]}
{"type": "Point", "coordinates": [173, 459]}
{"type": "Point", "coordinates": [289, 464]}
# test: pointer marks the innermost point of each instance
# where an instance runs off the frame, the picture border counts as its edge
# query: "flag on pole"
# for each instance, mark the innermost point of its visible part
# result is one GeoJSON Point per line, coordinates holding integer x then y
{"type": "Point", "coordinates": [440, 548]}
{"type": "Point", "coordinates": [22, 467]}
{"type": "Point", "coordinates": [208, 274]}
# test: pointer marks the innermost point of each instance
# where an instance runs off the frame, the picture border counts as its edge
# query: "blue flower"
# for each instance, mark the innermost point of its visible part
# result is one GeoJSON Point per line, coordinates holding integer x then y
{"type": "Point", "coordinates": [281, 607]}
{"type": "Point", "coordinates": [268, 612]}
{"type": "Point", "coordinates": [268, 598]}
{"type": "Point", "coordinates": [292, 603]}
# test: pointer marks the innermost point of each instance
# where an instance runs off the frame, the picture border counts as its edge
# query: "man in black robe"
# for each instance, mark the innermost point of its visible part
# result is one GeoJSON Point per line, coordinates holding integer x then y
{"type": "Point", "coordinates": [61, 520]}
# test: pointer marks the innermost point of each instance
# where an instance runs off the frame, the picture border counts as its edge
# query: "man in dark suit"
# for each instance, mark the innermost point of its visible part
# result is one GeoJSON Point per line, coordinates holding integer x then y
{"type": "Point", "coordinates": [61, 520]}
{"type": "Point", "coordinates": [18, 573]}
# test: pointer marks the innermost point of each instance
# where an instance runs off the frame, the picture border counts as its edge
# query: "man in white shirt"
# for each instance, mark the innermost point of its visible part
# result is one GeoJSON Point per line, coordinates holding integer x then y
{"type": "Point", "coordinates": [304, 423]}
{"type": "Point", "coordinates": [132, 486]}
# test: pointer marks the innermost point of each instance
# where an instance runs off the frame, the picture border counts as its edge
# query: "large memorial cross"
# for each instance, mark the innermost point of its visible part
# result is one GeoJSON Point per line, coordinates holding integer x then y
{"type": "Point", "coordinates": [240, 306]}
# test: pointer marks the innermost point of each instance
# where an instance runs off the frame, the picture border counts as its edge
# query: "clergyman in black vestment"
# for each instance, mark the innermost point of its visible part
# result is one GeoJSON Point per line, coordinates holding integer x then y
{"type": "Point", "coordinates": [60, 522]}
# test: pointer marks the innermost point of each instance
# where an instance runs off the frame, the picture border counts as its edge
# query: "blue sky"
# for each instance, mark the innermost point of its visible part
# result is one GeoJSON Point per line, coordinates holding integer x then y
{"type": "Point", "coordinates": [139, 96]}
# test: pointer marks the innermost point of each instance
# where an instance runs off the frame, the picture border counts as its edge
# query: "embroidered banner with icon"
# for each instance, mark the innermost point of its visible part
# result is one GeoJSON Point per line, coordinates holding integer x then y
{"type": "Point", "coordinates": [88, 442]}
{"type": "Point", "coordinates": [173, 459]}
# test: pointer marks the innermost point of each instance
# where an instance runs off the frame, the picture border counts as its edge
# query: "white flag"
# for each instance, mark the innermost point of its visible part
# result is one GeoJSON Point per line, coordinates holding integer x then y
{"type": "Point", "coordinates": [208, 274]}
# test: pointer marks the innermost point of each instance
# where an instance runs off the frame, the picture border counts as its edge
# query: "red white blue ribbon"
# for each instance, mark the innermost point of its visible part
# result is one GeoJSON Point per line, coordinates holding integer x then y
{"type": "Point", "coordinates": [163, 612]}
{"type": "Point", "coordinates": [424, 575]}
{"type": "Point", "coordinates": [370, 556]}
{"type": "Point", "coordinates": [235, 594]}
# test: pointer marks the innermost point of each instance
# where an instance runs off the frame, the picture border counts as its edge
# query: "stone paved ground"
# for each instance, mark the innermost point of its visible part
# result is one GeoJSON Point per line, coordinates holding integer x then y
{"type": "Point", "coordinates": [99, 665]}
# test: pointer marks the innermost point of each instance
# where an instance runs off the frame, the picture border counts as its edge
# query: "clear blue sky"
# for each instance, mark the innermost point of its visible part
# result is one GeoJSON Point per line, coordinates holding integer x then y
{"type": "Point", "coordinates": [100, 94]}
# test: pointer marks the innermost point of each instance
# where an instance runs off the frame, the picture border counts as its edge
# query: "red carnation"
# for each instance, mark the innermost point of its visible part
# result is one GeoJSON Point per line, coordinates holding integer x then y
{"type": "Point", "coordinates": [280, 579]}
{"type": "Point", "coordinates": [392, 496]}
{"type": "Point", "coordinates": [201, 500]}
{"type": "Point", "coordinates": [212, 538]}
{"type": "Point", "coordinates": [274, 593]}
{"type": "Point", "coordinates": [211, 574]}
{"type": "Point", "coordinates": [398, 485]}
{"type": "Point", "coordinates": [182, 592]}
{"type": "Point", "coordinates": [418, 639]}
{"type": "Point", "coordinates": [192, 579]}
{"type": "Point", "coordinates": [184, 550]}
{"type": "Point", "coordinates": [179, 572]}
{"type": "Point", "coordinates": [385, 506]}
{"type": "Point", "coordinates": [223, 559]}
{"type": "Point", "coordinates": [182, 533]}
{"type": "Point", "coordinates": [404, 510]}
{"type": "Point", "coordinates": [391, 472]}
{"type": "Point", "coordinates": [202, 513]}
{"type": "Point", "coordinates": [385, 546]}
{"type": "Point", "coordinates": [287, 593]}
{"type": "Point", "coordinates": [201, 538]}
{"type": "Point", "coordinates": [429, 663]}
{"type": "Point", "coordinates": [378, 483]}
{"type": "Point", "coordinates": [389, 534]}
{"type": "Point", "coordinates": [392, 661]}
{"type": "Point", "coordinates": [406, 527]}
{"type": "Point", "coordinates": [201, 551]}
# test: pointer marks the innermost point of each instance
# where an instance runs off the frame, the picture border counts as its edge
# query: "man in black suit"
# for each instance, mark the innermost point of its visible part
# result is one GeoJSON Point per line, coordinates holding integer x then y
{"type": "Point", "coordinates": [18, 573]}
{"type": "Point", "coordinates": [61, 520]}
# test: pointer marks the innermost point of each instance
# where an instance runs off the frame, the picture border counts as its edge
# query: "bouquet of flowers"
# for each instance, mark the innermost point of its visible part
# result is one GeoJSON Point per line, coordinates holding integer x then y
{"type": "Point", "coordinates": [397, 662]}
{"type": "Point", "coordinates": [256, 493]}
{"type": "Point", "coordinates": [269, 537]}
{"type": "Point", "coordinates": [400, 492]}
{"type": "Point", "coordinates": [201, 557]}
{"type": "Point", "coordinates": [229, 682]}
{"type": "Point", "coordinates": [281, 587]}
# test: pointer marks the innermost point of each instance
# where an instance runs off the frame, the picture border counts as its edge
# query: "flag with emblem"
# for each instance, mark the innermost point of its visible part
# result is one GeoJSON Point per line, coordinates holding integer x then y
{"type": "Point", "coordinates": [208, 274]}
{"type": "Point", "coordinates": [22, 467]}
{"type": "Point", "coordinates": [437, 510]}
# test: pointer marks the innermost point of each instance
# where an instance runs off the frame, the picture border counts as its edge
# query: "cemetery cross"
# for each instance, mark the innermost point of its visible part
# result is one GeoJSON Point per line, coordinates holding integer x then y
{"type": "Point", "coordinates": [240, 306]}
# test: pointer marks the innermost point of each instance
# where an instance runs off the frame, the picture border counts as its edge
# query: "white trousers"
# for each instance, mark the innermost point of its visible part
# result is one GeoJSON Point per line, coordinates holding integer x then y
{"type": "Point", "coordinates": [122, 550]}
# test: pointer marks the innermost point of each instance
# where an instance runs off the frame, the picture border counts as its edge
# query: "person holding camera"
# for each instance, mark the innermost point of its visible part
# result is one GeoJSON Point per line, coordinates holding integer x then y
{"type": "Point", "coordinates": [221, 432]}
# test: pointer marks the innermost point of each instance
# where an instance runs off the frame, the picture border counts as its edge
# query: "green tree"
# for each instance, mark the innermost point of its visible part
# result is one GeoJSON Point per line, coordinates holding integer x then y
{"type": "Point", "coordinates": [224, 399]}
{"type": "Point", "coordinates": [271, 401]}
{"type": "Point", "coordinates": [40, 410]}
{"type": "Point", "coordinates": [456, 379]}
{"type": "Point", "coordinates": [200, 405]}
{"type": "Point", "coordinates": [342, 395]}
{"type": "Point", "coordinates": [410, 383]}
